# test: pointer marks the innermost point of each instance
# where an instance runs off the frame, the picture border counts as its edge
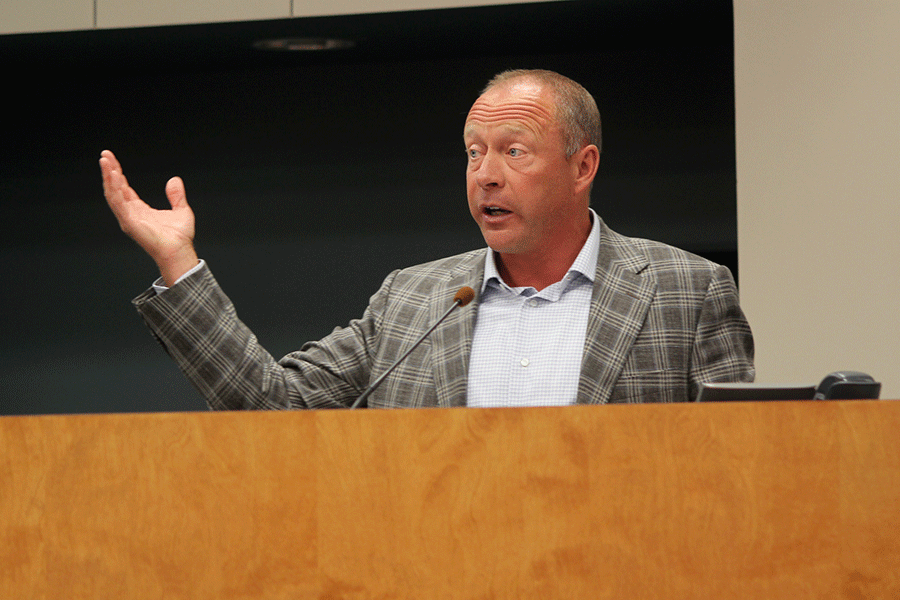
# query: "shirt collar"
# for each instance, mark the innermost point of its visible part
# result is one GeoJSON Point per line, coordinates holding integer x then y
{"type": "Point", "coordinates": [585, 263]}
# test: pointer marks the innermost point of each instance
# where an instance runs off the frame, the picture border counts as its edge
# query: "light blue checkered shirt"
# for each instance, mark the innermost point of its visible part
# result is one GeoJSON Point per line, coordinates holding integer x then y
{"type": "Point", "coordinates": [528, 345]}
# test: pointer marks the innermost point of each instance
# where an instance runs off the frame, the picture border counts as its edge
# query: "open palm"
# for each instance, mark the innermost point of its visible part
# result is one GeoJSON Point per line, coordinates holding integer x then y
{"type": "Point", "coordinates": [166, 235]}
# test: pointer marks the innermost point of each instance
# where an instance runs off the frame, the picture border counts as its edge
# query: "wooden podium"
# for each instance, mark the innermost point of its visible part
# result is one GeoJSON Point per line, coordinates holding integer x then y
{"type": "Point", "coordinates": [745, 500]}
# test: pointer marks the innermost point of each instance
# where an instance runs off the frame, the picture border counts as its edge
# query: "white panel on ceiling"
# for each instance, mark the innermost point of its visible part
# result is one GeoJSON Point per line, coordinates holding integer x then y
{"type": "Point", "coordinates": [128, 13]}
{"type": "Point", "coordinates": [23, 16]}
{"type": "Point", "coordinates": [310, 8]}
{"type": "Point", "coordinates": [29, 16]}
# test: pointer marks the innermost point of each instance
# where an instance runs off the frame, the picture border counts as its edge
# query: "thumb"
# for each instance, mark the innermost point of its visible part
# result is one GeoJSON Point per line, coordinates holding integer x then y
{"type": "Point", "coordinates": [175, 193]}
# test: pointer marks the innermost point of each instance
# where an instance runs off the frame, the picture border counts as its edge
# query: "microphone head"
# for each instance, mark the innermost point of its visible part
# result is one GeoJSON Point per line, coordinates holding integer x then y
{"type": "Point", "coordinates": [464, 295]}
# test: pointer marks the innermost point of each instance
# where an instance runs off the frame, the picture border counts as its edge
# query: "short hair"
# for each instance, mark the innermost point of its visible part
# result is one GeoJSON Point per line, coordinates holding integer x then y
{"type": "Point", "coordinates": [576, 110]}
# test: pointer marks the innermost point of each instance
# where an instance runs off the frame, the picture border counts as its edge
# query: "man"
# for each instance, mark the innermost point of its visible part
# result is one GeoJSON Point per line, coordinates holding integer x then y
{"type": "Point", "coordinates": [567, 311]}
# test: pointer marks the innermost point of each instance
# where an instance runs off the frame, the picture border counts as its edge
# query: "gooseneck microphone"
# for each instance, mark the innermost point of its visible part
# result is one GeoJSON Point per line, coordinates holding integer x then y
{"type": "Point", "coordinates": [462, 297]}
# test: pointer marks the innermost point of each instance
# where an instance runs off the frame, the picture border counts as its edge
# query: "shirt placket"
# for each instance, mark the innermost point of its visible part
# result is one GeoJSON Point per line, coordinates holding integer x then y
{"type": "Point", "coordinates": [524, 358]}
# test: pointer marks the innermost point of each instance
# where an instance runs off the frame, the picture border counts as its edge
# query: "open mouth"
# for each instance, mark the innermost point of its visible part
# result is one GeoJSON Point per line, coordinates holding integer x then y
{"type": "Point", "coordinates": [494, 211]}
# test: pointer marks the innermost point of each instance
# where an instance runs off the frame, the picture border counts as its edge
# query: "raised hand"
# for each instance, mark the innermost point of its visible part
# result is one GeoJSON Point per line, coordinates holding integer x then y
{"type": "Point", "coordinates": [166, 235]}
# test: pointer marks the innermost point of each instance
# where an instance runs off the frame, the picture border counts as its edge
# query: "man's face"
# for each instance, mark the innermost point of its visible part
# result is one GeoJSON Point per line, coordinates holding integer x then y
{"type": "Point", "coordinates": [520, 184]}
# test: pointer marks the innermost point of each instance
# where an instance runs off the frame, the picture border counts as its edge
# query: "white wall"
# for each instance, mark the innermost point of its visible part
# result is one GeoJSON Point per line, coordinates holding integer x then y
{"type": "Point", "coordinates": [30, 16]}
{"type": "Point", "coordinates": [128, 13]}
{"type": "Point", "coordinates": [817, 87]}
{"type": "Point", "coordinates": [25, 16]}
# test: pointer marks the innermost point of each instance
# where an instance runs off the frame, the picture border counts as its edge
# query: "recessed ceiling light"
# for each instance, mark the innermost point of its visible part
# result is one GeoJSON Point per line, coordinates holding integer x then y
{"type": "Point", "coordinates": [303, 44]}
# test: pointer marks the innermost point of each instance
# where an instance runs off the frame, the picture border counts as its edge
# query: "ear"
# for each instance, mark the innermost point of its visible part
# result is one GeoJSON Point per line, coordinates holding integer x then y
{"type": "Point", "coordinates": [585, 163]}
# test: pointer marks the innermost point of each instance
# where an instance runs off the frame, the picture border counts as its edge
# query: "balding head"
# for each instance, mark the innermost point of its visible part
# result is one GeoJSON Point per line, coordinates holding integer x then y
{"type": "Point", "coordinates": [576, 110]}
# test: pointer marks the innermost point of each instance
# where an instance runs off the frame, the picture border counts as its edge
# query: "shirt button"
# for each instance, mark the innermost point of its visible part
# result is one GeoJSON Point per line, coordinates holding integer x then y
{"type": "Point", "coordinates": [532, 303]}
{"type": "Point", "coordinates": [524, 362]}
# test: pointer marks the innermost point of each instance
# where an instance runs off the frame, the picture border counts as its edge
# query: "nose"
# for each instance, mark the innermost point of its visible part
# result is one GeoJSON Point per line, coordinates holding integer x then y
{"type": "Point", "coordinates": [489, 173]}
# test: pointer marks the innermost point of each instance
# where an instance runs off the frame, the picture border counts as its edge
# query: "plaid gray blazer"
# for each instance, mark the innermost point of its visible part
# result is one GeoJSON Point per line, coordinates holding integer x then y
{"type": "Point", "coordinates": [661, 322]}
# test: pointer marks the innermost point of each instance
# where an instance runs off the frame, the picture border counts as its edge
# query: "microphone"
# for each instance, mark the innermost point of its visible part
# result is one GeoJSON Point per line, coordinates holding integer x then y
{"type": "Point", "coordinates": [462, 297]}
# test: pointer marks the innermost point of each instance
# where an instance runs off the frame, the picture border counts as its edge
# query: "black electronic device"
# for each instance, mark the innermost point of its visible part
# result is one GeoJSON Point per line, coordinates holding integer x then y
{"type": "Point", "coordinates": [733, 392]}
{"type": "Point", "coordinates": [848, 385]}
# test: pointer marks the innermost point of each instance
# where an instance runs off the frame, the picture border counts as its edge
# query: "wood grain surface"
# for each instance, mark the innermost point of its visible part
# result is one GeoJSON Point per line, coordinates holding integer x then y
{"type": "Point", "coordinates": [733, 500]}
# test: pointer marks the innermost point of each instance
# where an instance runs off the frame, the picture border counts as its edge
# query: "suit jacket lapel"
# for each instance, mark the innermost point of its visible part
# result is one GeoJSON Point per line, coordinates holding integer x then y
{"type": "Point", "coordinates": [619, 305]}
{"type": "Point", "coordinates": [451, 344]}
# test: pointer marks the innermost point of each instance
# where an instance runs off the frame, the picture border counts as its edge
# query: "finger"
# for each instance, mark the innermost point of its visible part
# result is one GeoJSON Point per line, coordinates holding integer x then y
{"type": "Point", "coordinates": [107, 154]}
{"type": "Point", "coordinates": [111, 172]}
{"type": "Point", "coordinates": [115, 184]}
{"type": "Point", "coordinates": [111, 183]}
{"type": "Point", "coordinates": [106, 167]}
{"type": "Point", "coordinates": [117, 191]}
{"type": "Point", "coordinates": [128, 192]}
{"type": "Point", "coordinates": [175, 193]}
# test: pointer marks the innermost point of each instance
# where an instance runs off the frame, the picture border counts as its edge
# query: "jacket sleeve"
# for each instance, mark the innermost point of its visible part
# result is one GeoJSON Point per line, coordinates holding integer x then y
{"type": "Point", "coordinates": [197, 325]}
{"type": "Point", "coordinates": [723, 344]}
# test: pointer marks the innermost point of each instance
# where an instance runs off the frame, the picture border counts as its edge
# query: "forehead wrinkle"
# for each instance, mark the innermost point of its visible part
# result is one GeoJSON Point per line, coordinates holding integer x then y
{"type": "Point", "coordinates": [512, 129]}
{"type": "Point", "coordinates": [506, 111]}
{"type": "Point", "coordinates": [520, 116]}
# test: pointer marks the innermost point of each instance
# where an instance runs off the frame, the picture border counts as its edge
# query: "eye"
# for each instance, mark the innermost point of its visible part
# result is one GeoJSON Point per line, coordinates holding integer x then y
{"type": "Point", "coordinates": [515, 152]}
{"type": "Point", "coordinates": [472, 153]}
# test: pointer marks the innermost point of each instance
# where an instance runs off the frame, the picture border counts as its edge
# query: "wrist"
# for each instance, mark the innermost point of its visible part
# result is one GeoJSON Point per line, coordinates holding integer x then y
{"type": "Point", "coordinates": [174, 266]}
